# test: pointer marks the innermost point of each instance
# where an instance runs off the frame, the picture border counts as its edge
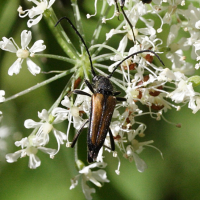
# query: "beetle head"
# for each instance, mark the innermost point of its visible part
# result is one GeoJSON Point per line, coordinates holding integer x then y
{"type": "Point", "coordinates": [102, 85]}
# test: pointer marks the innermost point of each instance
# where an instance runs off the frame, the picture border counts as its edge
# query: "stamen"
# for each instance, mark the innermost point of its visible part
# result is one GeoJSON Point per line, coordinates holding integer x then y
{"type": "Point", "coordinates": [117, 171]}
{"type": "Point", "coordinates": [20, 10]}
{"type": "Point", "coordinates": [95, 6]}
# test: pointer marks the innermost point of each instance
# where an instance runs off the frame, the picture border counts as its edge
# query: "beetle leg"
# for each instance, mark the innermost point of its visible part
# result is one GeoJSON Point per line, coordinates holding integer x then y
{"type": "Point", "coordinates": [121, 99]}
{"type": "Point", "coordinates": [112, 143]}
{"type": "Point", "coordinates": [116, 93]}
{"type": "Point", "coordinates": [81, 92]}
{"type": "Point", "coordinates": [78, 133]}
{"type": "Point", "coordinates": [89, 85]}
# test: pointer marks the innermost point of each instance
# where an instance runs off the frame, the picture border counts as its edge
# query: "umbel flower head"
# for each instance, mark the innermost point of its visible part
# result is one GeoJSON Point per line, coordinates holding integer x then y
{"type": "Point", "coordinates": [88, 174]}
{"type": "Point", "coordinates": [23, 53]}
{"type": "Point", "coordinates": [30, 147]}
{"type": "Point", "coordinates": [46, 127]}
{"type": "Point", "coordinates": [35, 13]}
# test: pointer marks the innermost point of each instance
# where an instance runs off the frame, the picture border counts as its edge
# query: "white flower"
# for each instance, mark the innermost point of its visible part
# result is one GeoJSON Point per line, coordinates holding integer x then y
{"type": "Point", "coordinates": [72, 111]}
{"type": "Point", "coordinates": [197, 24]}
{"type": "Point", "coordinates": [183, 92]}
{"type": "Point", "coordinates": [35, 13]}
{"type": "Point", "coordinates": [23, 53]}
{"type": "Point", "coordinates": [132, 150]}
{"type": "Point", "coordinates": [111, 2]}
{"type": "Point", "coordinates": [166, 75]}
{"type": "Point", "coordinates": [95, 177]}
{"type": "Point", "coordinates": [176, 51]}
{"type": "Point", "coordinates": [172, 9]}
{"type": "Point", "coordinates": [140, 164]}
{"type": "Point", "coordinates": [192, 16]}
{"type": "Point", "coordinates": [2, 93]}
{"type": "Point", "coordinates": [194, 104]}
{"type": "Point", "coordinates": [45, 127]}
{"type": "Point", "coordinates": [136, 148]}
{"type": "Point", "coordinates": [197, 46]}
{"type": "Point", "coordinates": [30, 147]}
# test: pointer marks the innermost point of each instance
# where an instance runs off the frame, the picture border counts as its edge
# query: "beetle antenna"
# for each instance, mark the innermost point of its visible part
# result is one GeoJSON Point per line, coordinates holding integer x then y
{"type": "Point", "coordinates": [117, 8]}
{"type": "Point", "coordinates": [122, 8]}
{"type": "Point", "coordinates": [142, 51]}
{"type": "Point", "coordinates": [122, 2]}
{"type": "Point", "coordinates": [69, 21]}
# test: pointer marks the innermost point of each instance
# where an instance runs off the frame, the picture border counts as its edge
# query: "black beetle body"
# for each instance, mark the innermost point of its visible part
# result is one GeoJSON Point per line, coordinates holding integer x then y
{"type": "Point", "coordinates": [103, 101]}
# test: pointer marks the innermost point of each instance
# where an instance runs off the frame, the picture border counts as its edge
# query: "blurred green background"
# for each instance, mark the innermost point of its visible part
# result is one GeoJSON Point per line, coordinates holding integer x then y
{"type": "Point", "coordinates": [175, 177]}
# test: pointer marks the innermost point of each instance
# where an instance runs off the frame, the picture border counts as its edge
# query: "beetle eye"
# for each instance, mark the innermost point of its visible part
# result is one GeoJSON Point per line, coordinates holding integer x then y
{"type": "Point", "coordinates": [96, 78]}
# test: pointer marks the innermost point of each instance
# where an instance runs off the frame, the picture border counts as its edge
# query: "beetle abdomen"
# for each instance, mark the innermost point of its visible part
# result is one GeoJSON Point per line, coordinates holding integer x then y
{"type": "Point", "coordinates": [102, 108]}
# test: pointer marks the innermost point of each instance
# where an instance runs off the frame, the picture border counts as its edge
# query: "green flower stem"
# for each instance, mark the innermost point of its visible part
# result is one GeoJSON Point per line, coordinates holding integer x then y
{"type": "Point", "coordinates": [40, 84]}
{"type": "Point", "coordinates": [69, 60]}
{"type": "Point", "coordinates": [60, 34]}
{"type": "Point", "coordinates": [99, 24]}
{"type": "Point", "coordinates": [66, 89]}
{"type": "Point", "coordinates": [105, 46]}
{"type": "Point", "coordinates": [85, 68]}
{"type": "Point", "coordinates": [103, 57]}
{"type": "Point", "coordinates": [77, 17]}
{"type": "Point", "coordinates": [79, 27]}
{"type": "Point", "coordinates": [105, 42]}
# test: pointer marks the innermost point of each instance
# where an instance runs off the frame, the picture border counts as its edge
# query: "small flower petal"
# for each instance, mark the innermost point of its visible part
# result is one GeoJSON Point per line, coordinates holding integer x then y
{"type": "Point", "coordinates": [15, 67]}
{"type": "Point", "coordinates": [47, 150]}
{"type": "Point", "coordinates": [32, 22]}
{"type": "Point", "coordinates": [29, 123]}
{"type": "Point", "coordinates": [51, 2]}
{"type": "Point", "coordinates": [87, 191]}
{"type": "Point", "coordinates": [26, 37]}
{"type": "Point", "coordinates": [197, 24]}
{"type": "Point", "coordinates": [7, 45]}
{"type": "Point", "coordinates": [100, 176]}
{"type": "Point", "coordinates": [12, 157]}
{"type": "Point", "coordinates": [37, 46]}
{"type": "Point", "coordinates": [43, 115]}
{"type": "Point", "coordinates": [2, 93]}
{"type": "Point", "coordinates": [32, 67]}
{"type": "Point", "coordinates": [34, 161]}
{"type": "Point", "coordinates": [140, 164]}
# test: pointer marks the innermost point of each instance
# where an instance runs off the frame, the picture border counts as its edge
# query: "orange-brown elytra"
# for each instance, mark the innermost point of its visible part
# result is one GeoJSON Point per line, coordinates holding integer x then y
{"type": "Point", "coordinates": [103, 101]}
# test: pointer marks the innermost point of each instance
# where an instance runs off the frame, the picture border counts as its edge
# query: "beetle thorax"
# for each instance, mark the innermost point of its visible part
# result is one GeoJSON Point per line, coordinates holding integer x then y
{"type": "Point", "coordinates": [102, 85]}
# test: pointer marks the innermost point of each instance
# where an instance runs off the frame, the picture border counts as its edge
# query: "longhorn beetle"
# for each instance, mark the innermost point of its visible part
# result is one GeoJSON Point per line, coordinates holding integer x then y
{"type": "Point", "coordinates": [103, 101]}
